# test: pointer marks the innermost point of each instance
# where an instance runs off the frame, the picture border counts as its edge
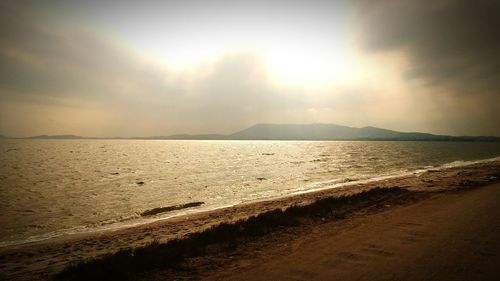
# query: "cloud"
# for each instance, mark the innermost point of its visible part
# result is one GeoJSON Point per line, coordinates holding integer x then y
{"type": "Point", "coordinates": [453, 50]}
{"type": "Point", "coordinates": [58, 77]}
{"type": "Point", "coordinates": [43, 59]}
{"type": "Point", "coordinates": [451, 43]}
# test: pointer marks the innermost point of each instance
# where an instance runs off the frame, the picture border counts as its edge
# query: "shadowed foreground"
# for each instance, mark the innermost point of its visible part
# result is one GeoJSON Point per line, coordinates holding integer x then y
{"type": "Point", "coordinates": [130, 263]}
{"type": "Point", "coordinates": [354, 231]}
{"type": "Point", "coordinates": [385, 234]}
{"type": "Point", "coordinates": [447, 237]}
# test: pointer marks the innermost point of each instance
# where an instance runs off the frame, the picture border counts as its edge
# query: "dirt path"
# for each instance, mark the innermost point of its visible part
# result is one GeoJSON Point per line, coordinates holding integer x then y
{"type": "Point", "coordinates": [448, 237]}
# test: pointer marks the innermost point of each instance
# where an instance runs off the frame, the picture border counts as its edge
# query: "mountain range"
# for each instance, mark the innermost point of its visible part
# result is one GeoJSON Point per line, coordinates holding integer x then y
{"type": "Point", "coordinates": [315, 131]}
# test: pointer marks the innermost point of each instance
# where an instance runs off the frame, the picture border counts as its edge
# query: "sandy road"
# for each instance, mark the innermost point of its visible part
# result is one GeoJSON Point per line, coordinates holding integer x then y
{"type": "Point", "coordinates": [447, 237]}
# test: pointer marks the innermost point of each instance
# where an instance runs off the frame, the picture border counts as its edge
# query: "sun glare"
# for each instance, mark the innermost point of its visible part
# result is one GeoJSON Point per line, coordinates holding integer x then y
{"type": "Point", "coordinates": [285, 64]}
{"type": "Point", "coordinates": [307, 66]}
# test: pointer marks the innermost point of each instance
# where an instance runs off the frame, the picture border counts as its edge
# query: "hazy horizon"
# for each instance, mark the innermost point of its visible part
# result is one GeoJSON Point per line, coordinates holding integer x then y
{"type": "Point", "coordinates": [228, 133]}
{"type": "Point", "coordinates": [153, 68]}
{"type": "Point", "coordinates": [264, 135]}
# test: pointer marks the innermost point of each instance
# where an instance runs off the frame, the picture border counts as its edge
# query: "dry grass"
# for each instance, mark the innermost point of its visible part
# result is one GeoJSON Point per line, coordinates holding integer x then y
{"type": "Point", "coordinates": [126, 264]}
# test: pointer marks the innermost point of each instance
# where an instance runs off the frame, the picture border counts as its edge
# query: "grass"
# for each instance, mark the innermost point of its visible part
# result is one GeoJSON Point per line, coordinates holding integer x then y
{"type": "Point", "coordinates": [126, 264]}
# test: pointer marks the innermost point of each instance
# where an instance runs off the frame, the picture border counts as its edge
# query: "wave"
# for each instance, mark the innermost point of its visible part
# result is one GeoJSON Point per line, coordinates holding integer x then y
{"type": "Point", "coordinates": [323, 185]}
{"type": "Point", "coordinates": [138, 219]}
{"type": "Point", "coordinates": [112, 224]}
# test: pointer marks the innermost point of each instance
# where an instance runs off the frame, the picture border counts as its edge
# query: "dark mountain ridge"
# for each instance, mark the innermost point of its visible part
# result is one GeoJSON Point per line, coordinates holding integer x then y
{"type": "Point", "coordinates": [318, 131]}
{"type": "Point", "coordinates": [314, 131]}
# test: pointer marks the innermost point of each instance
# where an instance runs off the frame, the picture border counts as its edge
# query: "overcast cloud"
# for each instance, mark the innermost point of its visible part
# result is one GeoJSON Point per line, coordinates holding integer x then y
{"type": "Point", "coordinates": [437, 69]}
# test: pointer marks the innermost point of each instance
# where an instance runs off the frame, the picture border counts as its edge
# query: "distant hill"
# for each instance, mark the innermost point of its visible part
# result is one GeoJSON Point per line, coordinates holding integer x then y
{"type": "Point", "coordinates": [65, 137]}
{"type": "Point", "coordinates": [318, 131]}
{"type": "Point", "coordinates": [315, 131]}
{"type": "Point", "coordinates": [186, 137]}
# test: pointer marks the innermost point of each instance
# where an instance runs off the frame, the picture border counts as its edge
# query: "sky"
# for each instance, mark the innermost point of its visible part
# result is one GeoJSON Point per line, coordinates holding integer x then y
{"type": "Point", "coordinates": [151, 68]}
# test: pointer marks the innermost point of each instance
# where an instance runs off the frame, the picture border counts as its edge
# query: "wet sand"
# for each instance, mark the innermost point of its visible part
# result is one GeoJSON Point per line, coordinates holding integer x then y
{"type": "Point", "coordinates": [41, 260]}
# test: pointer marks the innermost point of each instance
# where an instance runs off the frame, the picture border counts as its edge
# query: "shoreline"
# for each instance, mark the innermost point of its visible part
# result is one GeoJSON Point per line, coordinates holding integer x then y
{"type": "Point", "coordinates": [68, 234]}
{"type": "Point", "coordinates": [45, 258]}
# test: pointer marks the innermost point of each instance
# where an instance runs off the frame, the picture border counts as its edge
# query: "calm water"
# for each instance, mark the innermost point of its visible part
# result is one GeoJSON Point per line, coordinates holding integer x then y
{"type": "Point", "coordinates": [50, 188]}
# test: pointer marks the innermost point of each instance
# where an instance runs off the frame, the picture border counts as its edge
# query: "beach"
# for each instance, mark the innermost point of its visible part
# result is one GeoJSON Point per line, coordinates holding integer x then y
{"type": "Point", "coordinates": [446, 237]}
{"type": "Point", "coordinates": [249, 140]}
{"type": "Point", "coordinates": [380, 231]}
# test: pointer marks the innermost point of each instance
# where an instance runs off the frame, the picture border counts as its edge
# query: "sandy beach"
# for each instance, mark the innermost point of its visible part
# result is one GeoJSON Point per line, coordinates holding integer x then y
{"type": "Point", "coordinates": [446, 237]}
{"type": "Point", "coordinates": [442, 228]}
{"type": "Point", "coordinates": [249, 140]}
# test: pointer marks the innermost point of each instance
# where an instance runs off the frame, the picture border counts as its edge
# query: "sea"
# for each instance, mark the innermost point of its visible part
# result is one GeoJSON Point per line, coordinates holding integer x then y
{"type": "Point", "coordinates": [53, 188]}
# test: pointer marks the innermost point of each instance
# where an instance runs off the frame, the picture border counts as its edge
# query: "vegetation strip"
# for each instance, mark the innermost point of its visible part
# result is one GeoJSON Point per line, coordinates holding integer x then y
{"type": "Point", "coordinates": [126, 264]}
